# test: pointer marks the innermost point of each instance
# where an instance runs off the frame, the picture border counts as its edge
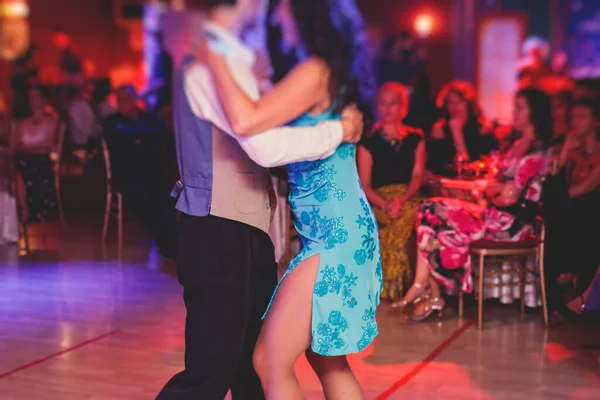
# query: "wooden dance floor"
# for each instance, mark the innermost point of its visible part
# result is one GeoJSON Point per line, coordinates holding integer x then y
{"type": "Point", "coordinates": [77, 324]}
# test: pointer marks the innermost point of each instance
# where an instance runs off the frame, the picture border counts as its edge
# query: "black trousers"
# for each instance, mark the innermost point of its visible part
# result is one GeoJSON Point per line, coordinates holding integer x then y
{"type": "Point", "coordinates": [228, 272]}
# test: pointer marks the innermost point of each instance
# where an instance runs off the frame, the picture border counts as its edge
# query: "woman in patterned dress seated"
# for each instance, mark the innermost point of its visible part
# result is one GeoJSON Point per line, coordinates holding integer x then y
{"type": "Point", "coordinates": [447, 227]}
{"type": "Point", "coordinates": [391, 164]}
{"type": "Point", "coordinates": [326, 302]}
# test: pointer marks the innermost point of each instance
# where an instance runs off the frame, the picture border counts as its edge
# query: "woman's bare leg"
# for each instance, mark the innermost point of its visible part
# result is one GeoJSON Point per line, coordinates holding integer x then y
{"type": "Point", "coordinates": [286, 333]}
{"type": "Point", "coordinates": [336, 377]}
{"type": "Point", "coordinates": [422, 278]}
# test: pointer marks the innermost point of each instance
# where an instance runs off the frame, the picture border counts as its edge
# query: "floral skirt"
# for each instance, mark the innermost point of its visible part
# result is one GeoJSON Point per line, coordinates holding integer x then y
{"type": "Point", "coordinates": [447, 227]}
{"type": "Point", "coordinates": [394, 237]}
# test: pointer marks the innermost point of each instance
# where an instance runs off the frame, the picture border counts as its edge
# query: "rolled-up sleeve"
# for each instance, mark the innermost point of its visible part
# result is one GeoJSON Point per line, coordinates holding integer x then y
{"type": "Point", "coordinates": [273, 148]}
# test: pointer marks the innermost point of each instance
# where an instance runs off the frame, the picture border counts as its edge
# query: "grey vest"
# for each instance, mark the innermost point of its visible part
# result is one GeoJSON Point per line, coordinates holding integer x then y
{"type": "Point", "coordinates": [217, 177]}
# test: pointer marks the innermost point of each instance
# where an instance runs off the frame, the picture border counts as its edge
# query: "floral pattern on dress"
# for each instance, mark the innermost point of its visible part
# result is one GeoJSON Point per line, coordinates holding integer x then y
{"type": "Point", "coordinates": [328, 333]}
{"type": "Point", "coordinates": [370, 329]}
{"type": "Point", "coordinates": [369, 241]}
{"type": "Point", "coordinates": [326, 197]}
{"type": "Point", "coordinates": [319, 178]}
{"type": "Point", "coordinates": [329, 230]}
{"type": "Point", "coordinates": [339, 283]}
{"type": "Point", "coordinates": [447, 227]}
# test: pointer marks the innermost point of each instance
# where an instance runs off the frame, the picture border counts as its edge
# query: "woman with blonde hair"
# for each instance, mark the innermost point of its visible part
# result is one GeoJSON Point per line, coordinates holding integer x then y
{"type": "Point", "coordinates": [391, 164]}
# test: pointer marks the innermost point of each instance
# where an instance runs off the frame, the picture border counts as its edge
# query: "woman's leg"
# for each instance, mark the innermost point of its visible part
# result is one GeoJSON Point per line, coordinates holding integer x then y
{"type": "Point", "coordinates": [286, 333]}
{"type": "Point", "coordinates": [336, 377]}
{"type": "Point", "coordinates": [422, 278]}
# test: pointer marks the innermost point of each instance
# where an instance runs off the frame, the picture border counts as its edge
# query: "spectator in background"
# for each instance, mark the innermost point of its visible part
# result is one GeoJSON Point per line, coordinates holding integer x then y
{"type": "Point", "coordinates": [461, 134]}
{"type": "Point", "coordinates": [446, 227]}
{"type": "Point", "coordinates": [139, 145]}
{"type": "Point", "coordinates": [34, 139]}
{"type": "Point", "coordinates": [391, 165]}
{"type": "Point", "coordinates": [573, 212]}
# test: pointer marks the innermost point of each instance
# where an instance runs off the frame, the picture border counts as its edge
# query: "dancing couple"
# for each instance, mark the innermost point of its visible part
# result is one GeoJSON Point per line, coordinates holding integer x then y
{"type": "Point", "coordinates": [325, 304]}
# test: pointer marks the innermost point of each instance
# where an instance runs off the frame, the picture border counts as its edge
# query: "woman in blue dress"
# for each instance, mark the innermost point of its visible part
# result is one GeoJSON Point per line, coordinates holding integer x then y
{"type": "Point", "coordinates": [326, 302]}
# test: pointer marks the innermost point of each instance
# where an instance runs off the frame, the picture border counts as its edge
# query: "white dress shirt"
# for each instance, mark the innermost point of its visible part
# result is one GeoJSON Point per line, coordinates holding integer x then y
{"type": "Point", "coordinates": [273, 148]}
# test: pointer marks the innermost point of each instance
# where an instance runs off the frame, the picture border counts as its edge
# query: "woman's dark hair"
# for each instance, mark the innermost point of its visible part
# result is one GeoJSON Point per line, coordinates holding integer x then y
{"type": "Point", "coordinates": [540, 108]}
{"type": "Point", "coordinates": [333, 30]}
{"type": "Point", "coordinates": [465, 91]}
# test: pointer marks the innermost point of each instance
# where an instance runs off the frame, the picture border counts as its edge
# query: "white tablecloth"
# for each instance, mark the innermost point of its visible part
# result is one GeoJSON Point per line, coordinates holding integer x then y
{"type": "Point", "coordinates": [509, 294]}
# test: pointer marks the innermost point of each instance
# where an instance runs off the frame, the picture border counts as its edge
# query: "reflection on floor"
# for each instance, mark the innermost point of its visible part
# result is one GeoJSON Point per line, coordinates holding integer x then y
{"type": "Point", "coordinates": [78, 324]}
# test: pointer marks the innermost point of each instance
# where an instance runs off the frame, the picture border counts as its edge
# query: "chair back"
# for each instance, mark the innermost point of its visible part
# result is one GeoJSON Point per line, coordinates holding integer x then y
{"type": "Point", "coordinates": [57, 152]}
{"type": "Point", "coordinates": [107, 166]}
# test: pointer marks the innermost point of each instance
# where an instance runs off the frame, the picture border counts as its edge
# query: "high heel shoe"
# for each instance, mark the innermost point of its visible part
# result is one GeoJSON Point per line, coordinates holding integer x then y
{"type": "Point", "coordinates": [436, 304]}
{"type": "Point", "coordinates": [403, 303]}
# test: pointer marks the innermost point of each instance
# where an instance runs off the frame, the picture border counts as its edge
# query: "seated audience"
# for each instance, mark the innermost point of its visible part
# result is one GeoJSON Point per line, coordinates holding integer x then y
{"type": "Point", "coordinates": [447, 227]}
{"type": "Point", "coordinates": [461, 134]}
{"type": "Point", "coordinates": [83, 124]}
{"type": "Point", "coordinates": [138, 144]}
{"type": "Point", "coordinates": [34, 138]}
{"type": "Point", "coordinates": [391, 164]}
{"type": "Point", "coordinates": [573, 211]}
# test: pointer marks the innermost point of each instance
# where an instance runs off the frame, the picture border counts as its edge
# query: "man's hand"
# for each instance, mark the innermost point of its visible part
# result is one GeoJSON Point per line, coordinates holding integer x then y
{"type": "Point", "coordinates": [352, 122]}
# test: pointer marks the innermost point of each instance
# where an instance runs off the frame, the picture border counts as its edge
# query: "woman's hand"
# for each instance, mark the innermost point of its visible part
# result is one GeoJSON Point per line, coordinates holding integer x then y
{"type": "Point", "coordinates": [352, 124]}
{"type": "Point", "coordinates": [394, 207]}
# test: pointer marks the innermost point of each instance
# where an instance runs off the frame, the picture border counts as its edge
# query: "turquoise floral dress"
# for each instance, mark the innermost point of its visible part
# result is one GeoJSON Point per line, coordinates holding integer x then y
{"type": "Point", "coordinates": [335, 221]}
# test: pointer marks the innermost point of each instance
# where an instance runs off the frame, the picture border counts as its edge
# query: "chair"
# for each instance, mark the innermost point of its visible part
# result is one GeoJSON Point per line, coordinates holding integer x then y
{"type": "Point", "coordinates": [488, 248]}
{"type": "Point", "coordinates": [110, 197]}
{"type": "Point", "coordinates": [56, 158]}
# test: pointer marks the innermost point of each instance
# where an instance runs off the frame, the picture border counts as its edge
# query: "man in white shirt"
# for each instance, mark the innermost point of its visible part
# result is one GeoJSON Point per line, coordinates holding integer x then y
{"type": "Point", "coordinates": [225, 259]}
